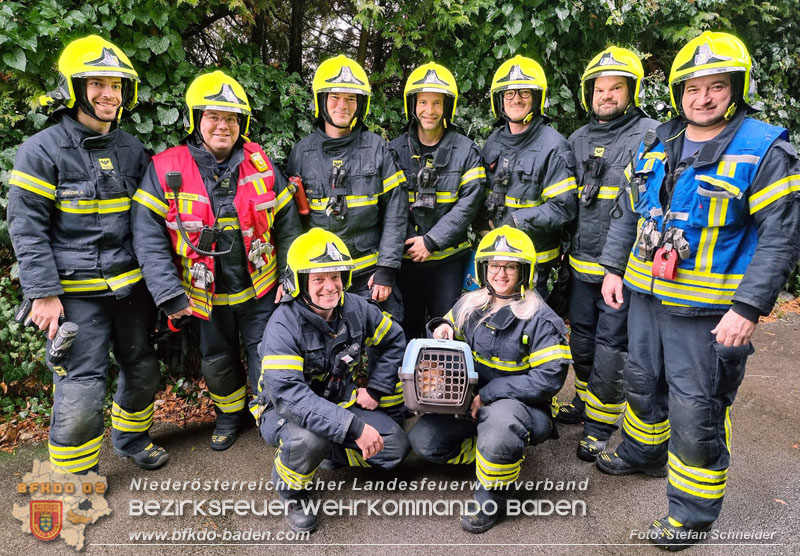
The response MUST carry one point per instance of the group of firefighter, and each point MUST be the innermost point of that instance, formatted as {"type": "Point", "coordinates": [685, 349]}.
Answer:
{"type": "Point", "coordinates": [680, 235]}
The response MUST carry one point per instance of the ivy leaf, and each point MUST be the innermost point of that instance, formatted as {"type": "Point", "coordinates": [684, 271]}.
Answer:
{"type": "Point", "coordinates": [167, 116]}
{"type": "Point", "coordinates": [145, 127]}
{"type": "Point", "coordinates": [562, 13]}
{"type": "Point", "coordinates": [15, 59]}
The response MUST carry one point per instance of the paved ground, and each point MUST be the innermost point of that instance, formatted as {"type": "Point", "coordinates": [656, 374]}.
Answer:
{"type": "Point", "coordinates": [763, 490]}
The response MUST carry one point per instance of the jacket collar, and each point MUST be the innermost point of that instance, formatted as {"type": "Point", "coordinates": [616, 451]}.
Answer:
{"type": "Point", "coordinates": [443, 149]}
{"type": "Point", "coordinates": [85, 137]}
{"type": "Point", "coordinates": [629, 117]}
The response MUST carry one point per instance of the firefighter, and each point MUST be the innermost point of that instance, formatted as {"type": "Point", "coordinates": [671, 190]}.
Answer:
{"type": "Point", "coordinates": [315, 401]}
{"type": "Point", "coordinates": [611, 92]}
{"type": "Point", "coordinates": [212, 221]}
{"type": "Point", "coordinates": [352, 182]}
{"type": "Point", "coordinates": [521, 356]}
{"type": "Point", "coordinates": [69, 197]}
{"type": "Point", "coordinates": [445, 178]}
{"type": "Point", "coordinates": [715, 194]}
{"type": "Point", "coordinates": [531, 171]}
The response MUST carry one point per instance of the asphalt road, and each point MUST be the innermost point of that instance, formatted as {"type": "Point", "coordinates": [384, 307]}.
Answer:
{"type": "Point", "coordinates": [763, 491]}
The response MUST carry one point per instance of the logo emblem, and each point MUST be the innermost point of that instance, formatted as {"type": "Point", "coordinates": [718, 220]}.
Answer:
{"type": "Point", "coordinates": [108, 60]}
{"type": "Point", "coordinates": [607, 60]}
{"type": "Point", "coordinates": [338, 163]}
{"type": "Point", "coordinates": [225, 94]}
{"type": "Point", "coordinates": [598, 151]}
{"type": "Point", "coordinates": [345, 76]}
{"type": "Point", "coordinates": [704, 55]}
{"type": "Point", "coordinates": [331, 255]}
{"type": "Point", "coordinates": [431, 78]}
{"type": "Point", "coordinates": [501, 244]}
{"type": "Point", "coordinates": [105, 164]}
{"type": "Point", "coordinates": [46, 519]}
{"type": "Point", "coordinates": [516, 74]}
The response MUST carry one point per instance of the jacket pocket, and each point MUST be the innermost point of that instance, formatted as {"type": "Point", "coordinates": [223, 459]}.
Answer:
{"type": "Point", "coordinates": [719, 201]}
{"type": "Point", "coordinates": [68, 260]}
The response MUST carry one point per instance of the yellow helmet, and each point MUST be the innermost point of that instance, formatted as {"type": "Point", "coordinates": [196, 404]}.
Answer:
{"type": "Point", "coordinates": [92, 55]}
{"type": "Point", "coordinates": [519, 73]}
{"type": "Point", "coordinates": [507, 244]}
{"type": "Point", "coordinates": [613, 61]}
{"type": "Point", "coordinates": [431, 78]}
{"type": "Point", "coordinates": [216, 91]}
{"type": "Point", "coordinates": [709, 54]}
{"type": "Point", "coordinates": [341, 75]}
{"type": "Point", "coordinates": [317, 250]}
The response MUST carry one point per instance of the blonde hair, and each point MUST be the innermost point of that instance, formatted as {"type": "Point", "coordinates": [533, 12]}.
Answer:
{"type": "Point", "coordinates": [523, 308]}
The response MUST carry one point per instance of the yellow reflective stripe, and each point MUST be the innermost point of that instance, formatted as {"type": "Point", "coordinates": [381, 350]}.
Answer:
{"type": "Point", "coordinates": [444, 253]}
{"type": "Point", "coordinates": [283, 199]}
{"type": "Point", "coordinates": [467, 452]}
{"type": "Point", "coordinates": [354, 458]}
{"type": "Point", "coordinates": [472, 174]}
{"type": "Point", "coordinates": [255, 178]}
{"type": "Point", "coordinates": [349, 402]}
{"type": "Point", "coordinates": [650, 434]}
{"type": "Point", "coordinates": [695, 489]}
{"type": "Point", "coordinates": [580, 388]}
{"type": "Point", "coordinates": [692, 277]}
{"type": "Point", "coordinates": [228, 222]}
{"type": "Point", "coordinates": [602, 412]}
{"type": "Point", "coordinates": [188, 198]}
{"type": "Point", "coordinates": [124, 279]}
{"type": "Point", "coordinates": [550, 353]}
{"type": "Point", "coordinates": [496, 474]}
{"type": "Point", "coordinates": [103, 206]}
{"type": "Point", "coordinates": [446, 197]}
{"type": "Point", "coordinates": [393, 181]}
{"type": "Point", "coordinates": [728, 428]}
{"type": "Point", "coordinates": [547, 256]}
{"type": "Point", "coordinates": [366, 261]}
{"type": "Point", "coordinates": [233, 298]}
{"type": "Point", "coordinates": [512, 202]}
{"type": "Point", "coordinates": [32, 184]}
{"type": "Point", "coordinates": [559, 188]}
{"type": "Point", "coordinates": [393, 399]}
{"type": "Point", "coordinates": [100, 284]}
{"type": "Point", "coordinates": [138, 421]}
{"type": "Point", "coordinates": [115, 408]}
{"type": "Point", "coordinates": [501, 365]}
{"type": "Point", "coordinates": [773, 192]}
{"type": "Point", "coordinates": [745, 158]}
{"type": "Point", "coordinates": [628, 171]}
{"type": "Point", "coordinates": [697, 473]}
{"type": "Point", "coordinates": [722, 184]}
{"type": "Point", "coordinates": [72, 451]}
{"type": "Point", "coordinates": [705, 249]}
{"type": "Point", "coordinates": [380, 331]}
{"type": "Point", "coordinates": [150, 201]}
{"type": "Point", "coordinates": [76, 465]}
{"type": "Point", "coordinates": [655, 155]}
{"type": "Point", "coordinates": [293, 479]}
{"type": "Point", "coordinates": [232, 402]}
{"type": "Point", "coordinates": [586, 267]}
{"type": "Point", "coordinates": [605, 192]}
{"type": "Point", "coordinates": [280, 362]}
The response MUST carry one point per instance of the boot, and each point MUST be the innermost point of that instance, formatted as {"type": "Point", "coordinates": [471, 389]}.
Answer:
{"type": "Point", "coordinates": [612, 464]}
{"type": "Point", "coordinates": [152, 457]}
{"type": "Point", "coordinates": [672, 535]}
{"type": "Point", "coordinates": [590, 447]}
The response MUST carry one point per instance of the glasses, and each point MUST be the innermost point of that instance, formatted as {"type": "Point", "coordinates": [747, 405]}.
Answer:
{"type": "Point", "coordinates": [511, 268]}
{"type": "Point", "coordinates": [213, 119]}
{"type": "Point", "coordinates": [524, 94]}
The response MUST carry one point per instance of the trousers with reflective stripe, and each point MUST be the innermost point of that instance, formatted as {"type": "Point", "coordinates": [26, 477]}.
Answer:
{"type": "Point", "coordinates": [300, 451]}
{"type": "Point", "coordinates": [680, 385]}
{"type": "Point", "coordinates": [599, 345]}
{"type": "Point", "coordinates": [221, 363]}
{"type": "Point", "coordinates": [504, 428]}
{"type": "Point", "coordinates": [76, 422]}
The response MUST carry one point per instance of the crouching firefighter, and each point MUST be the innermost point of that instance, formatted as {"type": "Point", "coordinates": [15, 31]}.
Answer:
{"type": "Point", "coordinates": [210, 219]}
{"type": "Point", "coordinates": [521, 355]}
{"type": "Point", "coordinates": [316, 401]}
{"type": "Point", "coordinates": [68, 211]}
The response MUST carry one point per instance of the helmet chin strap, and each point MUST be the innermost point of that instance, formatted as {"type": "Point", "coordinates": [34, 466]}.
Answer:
{"type": "Point", "coordinates": [729, 113]}
{"type": "Point", "coordinates": [88, 109]}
